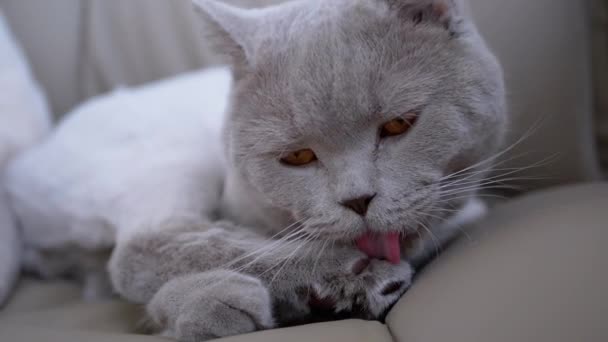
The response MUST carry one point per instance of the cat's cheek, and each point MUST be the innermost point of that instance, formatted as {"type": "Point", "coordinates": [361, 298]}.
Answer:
{"type": "Point", "coordinates": [297, 190]}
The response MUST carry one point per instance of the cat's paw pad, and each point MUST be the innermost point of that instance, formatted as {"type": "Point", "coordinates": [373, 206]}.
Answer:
{"type": "Point", "coordinates": [203, 307]}
{"type": "Point", "coordinates": [367, 289]}
{"type": "Point", "coordinates": [360, 265]}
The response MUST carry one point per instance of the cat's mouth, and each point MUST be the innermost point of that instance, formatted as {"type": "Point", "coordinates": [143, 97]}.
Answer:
{"type": "Point", "coordinates": [385, 246]}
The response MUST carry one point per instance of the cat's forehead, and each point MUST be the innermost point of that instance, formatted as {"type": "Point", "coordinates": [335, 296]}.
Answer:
{"type": "Point", "coordinates": [339, 66]}
{"type": "Point", "coordinates": [349, 68]}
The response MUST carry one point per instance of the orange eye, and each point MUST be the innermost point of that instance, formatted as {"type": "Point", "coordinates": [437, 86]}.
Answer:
{"type": "Point", "coordinates": [299, 158]}
{"type": "Point", "coordinates": [398, 126]}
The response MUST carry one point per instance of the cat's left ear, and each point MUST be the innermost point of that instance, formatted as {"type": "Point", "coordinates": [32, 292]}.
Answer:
{"type": "Point", "coordinates": [447, 13]}
{"type": "Point", "coordinates": [231, 30]}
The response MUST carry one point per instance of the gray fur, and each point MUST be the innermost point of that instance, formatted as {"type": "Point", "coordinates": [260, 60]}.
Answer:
{"type": "Point", "coordinates": [153, 265]}
{"type": "Point", "coordinates": [323, 75]}
{"type": "Point", "coordinates": [199, 307]}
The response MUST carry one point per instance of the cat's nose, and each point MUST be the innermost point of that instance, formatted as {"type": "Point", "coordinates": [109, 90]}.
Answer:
{"type": "Point", "coordinates": [359, 204]}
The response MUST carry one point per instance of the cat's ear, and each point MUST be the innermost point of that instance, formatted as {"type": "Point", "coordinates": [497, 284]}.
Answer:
{"type": "Point", "coordinates": [447, 13]}
{"type": "Point", "coordinates": [231, 31]}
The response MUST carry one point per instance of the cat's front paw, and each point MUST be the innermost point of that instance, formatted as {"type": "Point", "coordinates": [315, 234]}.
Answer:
{"type": "Point", "coordinates": [363, 288]}
{"type": "Point", "coordinates": [211, 305]}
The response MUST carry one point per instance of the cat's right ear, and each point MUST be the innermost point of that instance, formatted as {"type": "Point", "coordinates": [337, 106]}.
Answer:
{"type": "Point", "coordinates": [231, 31]}
{"type": "Point", "coordinates": [447, 13]}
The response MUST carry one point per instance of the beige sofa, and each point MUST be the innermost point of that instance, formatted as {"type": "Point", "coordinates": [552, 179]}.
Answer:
{"type": "Point", "coordinates": [536, 269]}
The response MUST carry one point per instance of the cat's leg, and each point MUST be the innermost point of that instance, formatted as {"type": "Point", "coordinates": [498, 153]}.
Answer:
{"type": "Point", "coordinates": [144, 261]}
{"type": "Point", "coordinates": [182, 275]}
{"type": "Point", "coordinates": [297, 275]}
{"type": "Point", "coordinates": [209, 305]}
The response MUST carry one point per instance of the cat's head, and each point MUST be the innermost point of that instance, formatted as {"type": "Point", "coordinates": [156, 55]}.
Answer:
{"type": "Point", "coordinates": [350, 114]}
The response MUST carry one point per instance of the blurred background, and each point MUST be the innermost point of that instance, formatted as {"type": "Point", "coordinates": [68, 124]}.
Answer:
{"type": "Point", "coordinates": [600, 64]}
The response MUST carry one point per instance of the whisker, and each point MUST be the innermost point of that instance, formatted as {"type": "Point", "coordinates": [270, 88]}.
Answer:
{"type": "Point", "coordinates": [282, 261]}
{"type": "Point", "coordinates": [483, 186]}
{"type": "Point", "coordinates": [474, 170]}
{"type": "Point", "coordinates": [450, 199]}
{"type": "Point", "coordinates": [503, 175]}
{"type": "Point", "coordinates": [431, 235]}
{"type": "Point", "coordinates": [458, 226]}
{"type": "Point", "coordinates": [273, 251]}
{"type": "Point", "coordinates": [314, 267]}
{"type": "Point", "coordinates": [272, 243]}
{"type": "Point", "coordinates": [494, 168]}
{"type": "Point", "coordinates": [287, 260]}
{"type": "Point", "coordinates": [490, 181]}
{"type": "Point", "coordinates": [524, 137]}
{"type": "Point", "coordinates": [270, 250]}
{"type": "Point", "coordinates": [475, 191]}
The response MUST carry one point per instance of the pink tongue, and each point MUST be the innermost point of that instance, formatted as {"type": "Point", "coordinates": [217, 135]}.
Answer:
{"type": "Point", "coordinates": [381, 246]}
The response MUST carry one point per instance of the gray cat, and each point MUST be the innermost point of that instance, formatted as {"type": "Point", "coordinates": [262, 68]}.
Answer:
{"type": "Point", "coordinates": [356, 135]}
{"type": "Point", "coordinates": [347, 117]}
